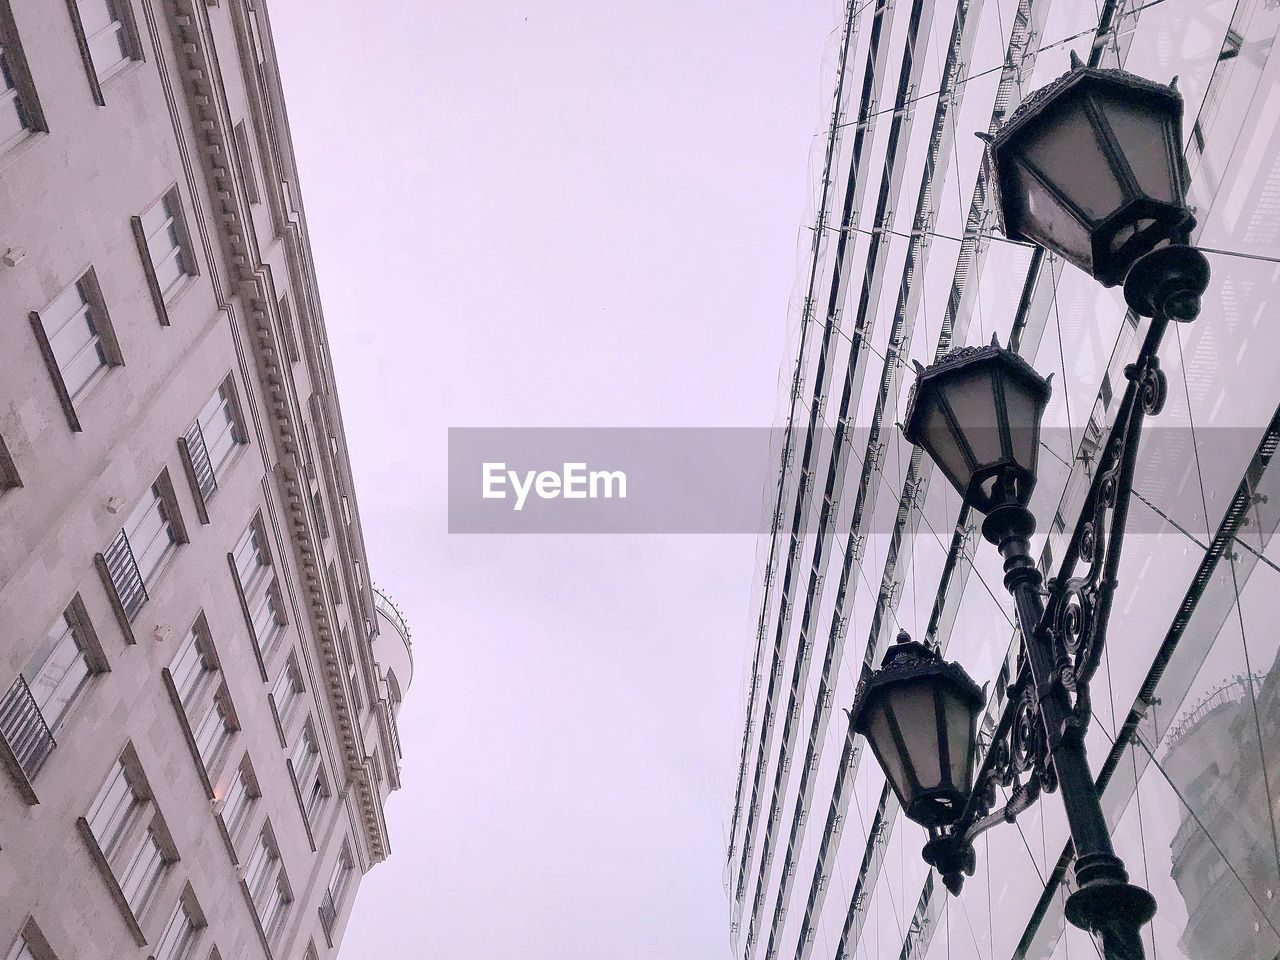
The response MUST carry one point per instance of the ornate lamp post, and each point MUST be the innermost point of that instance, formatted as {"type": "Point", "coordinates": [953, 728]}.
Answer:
{"type": "Point", "coordinates": [1091, 168]}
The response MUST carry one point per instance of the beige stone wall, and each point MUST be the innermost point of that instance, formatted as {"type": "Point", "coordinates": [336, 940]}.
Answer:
{"type": "Point", "coordinates": [66, 198]}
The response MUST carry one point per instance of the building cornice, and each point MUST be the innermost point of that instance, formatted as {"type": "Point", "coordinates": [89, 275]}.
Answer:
{"type": "Point", "coordinates": [212, 125]}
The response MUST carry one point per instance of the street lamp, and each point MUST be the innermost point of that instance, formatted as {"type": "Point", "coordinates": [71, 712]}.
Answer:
{"type": "Point", "coordinates": [1089, 167]}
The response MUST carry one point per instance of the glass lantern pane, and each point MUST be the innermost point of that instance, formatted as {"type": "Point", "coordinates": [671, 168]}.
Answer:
{"type": "Point", "coordinates": [941, 445]}
{"type": "Point", "coordinates": [1142, 138]}
{"type": "Point", "coordinates": [973, 403]}
{"type": "Point", "coordinates": [1043, 220]}
{"type": "Point", "coordinates": [1024, 411]}
{"type": "Point", "coordinates": [1065, 149]}
{"type": "Point", "coordinates": [916, 712]}
{"type": "Point", "coordinates": [886, 750]}
{"type": "Point", "coordinates": [959, 740]}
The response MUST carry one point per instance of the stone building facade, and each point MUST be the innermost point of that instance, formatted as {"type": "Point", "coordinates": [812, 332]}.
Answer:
{"type": "Point", "coordinates": [198, 682]}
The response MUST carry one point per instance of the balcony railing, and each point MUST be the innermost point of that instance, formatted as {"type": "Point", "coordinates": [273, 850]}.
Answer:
{"type": "Point", "coordinates": [24, 729]}
{"type": "Point", "coordinates": [201, 465]}
{"type": "Point", "coordinates": [125, 576]}
{"type": "Point", "coordinates": [328, 915]}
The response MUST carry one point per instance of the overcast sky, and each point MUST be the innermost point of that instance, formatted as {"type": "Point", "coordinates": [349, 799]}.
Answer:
{"type": "Point", "coordinates": [554, 214]}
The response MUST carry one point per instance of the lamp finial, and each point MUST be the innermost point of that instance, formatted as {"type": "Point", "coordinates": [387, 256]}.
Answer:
{"type": "Point", "coordinates": [1076, 62]}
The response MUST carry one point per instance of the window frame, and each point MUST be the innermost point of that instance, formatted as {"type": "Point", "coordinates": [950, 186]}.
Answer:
{"type": "Point", "coordinates": [244, 160]}
{"type": "Point", "coordinates": [91, 292]}
{"type": "Point", "coordinates": [24, 88]}
{"type": "Point", "coordinates": [217, 471]}
{"type": "Point", "coordinates": [129, 32]}
{"type": "Point", "coordinates": [171, 200]}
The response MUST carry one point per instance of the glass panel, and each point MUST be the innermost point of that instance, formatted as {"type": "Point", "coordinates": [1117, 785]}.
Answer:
{"type": "Point", "coordinates": [944, 449]}
{"type": "Point", "coordinates": [1141, 136]}
{"type": "Point", "coordinates": [1067, 152]}
{"type": "Point", "coordinates": [142, 874]}
{"type": "Point", "coordinates": [973, 404]}
{"type": "Point", "coordinates": [1044, 220]}
{"type": "Point", "coordinates": [108, 50]}
{"type": "Point", "coordinates": [57, 671]}
{"type": "Point", "coordinates": [881, 738]}
{"type": "Point", "coordinates": [917, 716]}
{"type": "Point", "coordinates": [96, 15]}
{"type": "Point", "coordinates": [110, 812]}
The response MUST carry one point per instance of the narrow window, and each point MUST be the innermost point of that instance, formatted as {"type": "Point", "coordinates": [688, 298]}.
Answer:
{"type": "Point", "coordinates": [287, 690]}
{"type": "Point", "coordinates": [20, 113]}
{"type": "Point", "coordinates": [210, 442]}
{"type": "Point", "coordinates": [215, 728]}
{"type": "Point", "coordinates": [239, 799]}
{"type": "Point", "coordinates": [165, 247]}
{"type": "Point", "coordinates": [266, 883]}
{"type": "Point", "coordinates": [333, 892]}
{"type": "Point", "coordinates": [135, 556]}
{"type": "Point", "coordinates": [266, 620]}
{"type": "Point", "coordinates": [43, 693]}
{"type": "Point", "coordinates": [141, 876]}
{"type": "Point", "coordinates": [193, 665]}
{"type": "Point", "coordinates": [76, 339]}
{"type": "Point", "coordinates": [108, 39]}
{"type": "Point", "coordinates": [180, 932]}
{"type": "Point", "coordinates": [305, 755]}
{"type": "Point", "coordinates": [251, 555]}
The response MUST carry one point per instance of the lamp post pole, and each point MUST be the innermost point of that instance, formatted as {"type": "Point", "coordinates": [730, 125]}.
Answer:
{"type": "Point", "coordinates": [1104, 902]}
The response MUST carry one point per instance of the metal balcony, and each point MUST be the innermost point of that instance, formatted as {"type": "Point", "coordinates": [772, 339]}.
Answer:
{"type": "Point", "coordinates": [201, 465]}
{"type": "Point", "coordinates": [24, 729]}
{"type": "Point", "coordinates": [125, 576]}
{"type": "Point", "coordinates": [328, 915]}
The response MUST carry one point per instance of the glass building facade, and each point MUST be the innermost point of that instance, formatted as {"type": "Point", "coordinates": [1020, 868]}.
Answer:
{"type": "Point", "coordinates": [902, 261]}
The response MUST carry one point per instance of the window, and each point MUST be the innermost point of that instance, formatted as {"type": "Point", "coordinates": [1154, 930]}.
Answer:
{"type": "Point", "coordinates": [333, 893]}
{"type": "Point", "coordinates": [167, 255]}
{"type": "Point", "coordinates": [290, 334]}
{"type": "Point", "coordinates": [142, 875]}
{"type": "Point", "coordinates": [240, 796]}
{"type": "Point", "coordinates": [114, 808]}
{"type": "Point", "coordinates": [20, 113]}
{"type": "Point", "coordinates": [334, 583]}
{"type": "Point", "coordinates": [211, 440]}
{"type": "Point", "coordinates": [214, 730]}
{"type": "Point", "coordinates": [305, 755]}
{"type": "Point", "coordinates": [244, 158]}
{"type": "Point", "coordinates": [76, 339]}
{"type": "Point", "coordinates": [251, 556]}
{"type": "Point", "coordinates": [128, 834]}
{"type": "Point", "coordinates": [314, 797]}
{"type": "Point", "coordinates": [317, 506]}
{"type": "Point", "coordinates": [135, 556]}
{"type": "Point", "coordinates": [181, 931]}
{"type": "Point", "coordinates": [287, 690]}
{"type": "Point", "coordinates": [266, 621]}
{"type": "Point", "coordinates": [30, 945]}
{"type": "Point", "coordinates": [40, 697]}
{"type": "Point", "coordinates": [107, 36]}
{"type": "Point", "coordinates": [266, 883]}
{"type": "Point", "coordinates": [194, 664]}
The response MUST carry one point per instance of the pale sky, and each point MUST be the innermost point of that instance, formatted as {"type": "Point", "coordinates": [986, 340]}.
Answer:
{"type": "Point", "coordinates": [554, 214]}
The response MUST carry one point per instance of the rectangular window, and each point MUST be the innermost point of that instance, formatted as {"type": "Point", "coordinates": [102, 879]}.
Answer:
{"type": "Point", "coordinates": [113, 809]}
{"type": "Point", "coordinates": [334, 584]}
{"type": "Point", "coordinates": [265, 880]}
{"type": "Point", "coordinates": [129, 837]}
{"type": "Point", "coordinates": [317, 506]}
{"type": "Point", "coordinates": [305, 755]}
{"type": "Point", "coordinates": [108, 40]}
{"type": "Point", "coordinates": [20, 112]}
{"type": "Point", "coordinates": [179, 934]}
{"type": "Point", "coordinates": [135, 556]}
{"type": "Point", "coordinates": [211, 440]}
{"type": "Point", "coordinates": [251, 555]}
{"type": "Point", "coordinates": [314, 797]}
{"type": "Point", "coordinates": [239, 798]}
{"type": "Point", "coordinates": [150, 532]}
{"type": "Point", "coordinates": [141, 876]}
{"type": "Point", "coordinates": [215, 728]}
{"type": "Point", "coordinates": [287, 690]}
{"type": "Point", "coordinates": [267, 623]}
{"type": "Point", "coordinates": [165, 246]}
{"type": "Point", "coordinates": [244, 158]}
{"type": "Point", "coordinates": [58, 669]}
{"type": "Point", "coordinates": [193, 665]}
{"type": "Point", "coordinates": [333, 893]}
{"type": "Point", "coordinates": [76, 339]}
